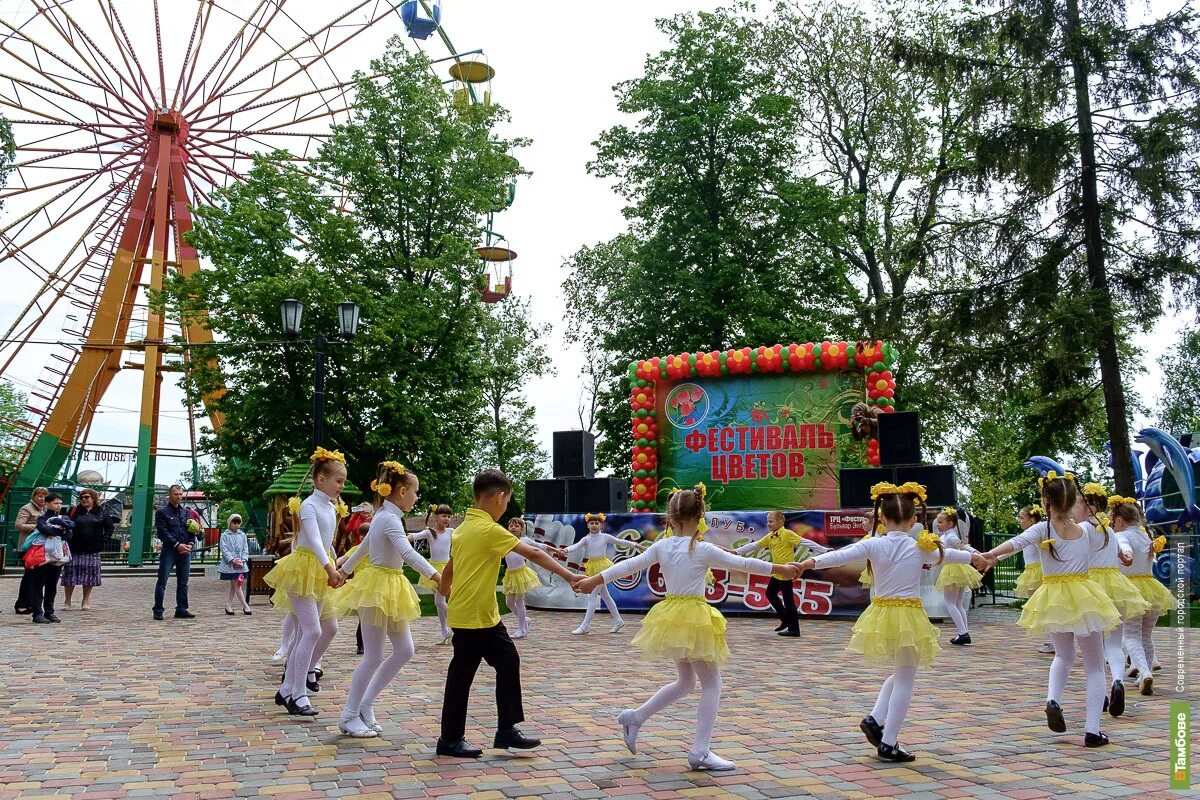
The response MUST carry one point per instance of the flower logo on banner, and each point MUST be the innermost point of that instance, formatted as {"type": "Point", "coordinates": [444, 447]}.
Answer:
{"type": "Point", "coordinates": [687, 406]}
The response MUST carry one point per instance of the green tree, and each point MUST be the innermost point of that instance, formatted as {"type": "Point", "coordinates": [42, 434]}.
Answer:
{"type": "Point", "coordinates": [1090, 124]}
{"type": "Point", "coordinates": [516, 354]}
{"type": "Point", "coordinates": [12, 416]}
{"type": "Point", "coordinates": [714, 255]}
{"type": "Point", "coordinates": [1177, 411]}
{"type": "Point", "coordinates": [386, 215]}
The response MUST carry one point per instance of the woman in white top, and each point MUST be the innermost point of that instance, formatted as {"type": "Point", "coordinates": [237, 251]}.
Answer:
{"type": "Point", "coordinates": [438, 535]}
{"type": "Point", "coordinates": [683, 628]}
{"type": "Point", "coordinates": [594, 547]}
{"type": "Point", "coordinates": [1069, 606]}
{"type": "Point", "coordinates": [1138, 633]}
{"type": "Point", "coordinates": [382, 597]}
{"type": "Point", "coordinates": [519, 577]}
{"type": "Point", "coordinates": [894, 631]}
{"type": "Point", "coordinates": [304, 580]}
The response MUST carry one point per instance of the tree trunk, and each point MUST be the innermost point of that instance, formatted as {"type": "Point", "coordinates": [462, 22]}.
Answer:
{"type": "Point", "coordinates": [1106, 345]}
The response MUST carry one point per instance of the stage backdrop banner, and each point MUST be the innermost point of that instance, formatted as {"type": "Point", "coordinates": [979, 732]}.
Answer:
{"type": "Point", "coordinates": [834, 592]}
{"type": "Point", "coordinates": [759, 441]}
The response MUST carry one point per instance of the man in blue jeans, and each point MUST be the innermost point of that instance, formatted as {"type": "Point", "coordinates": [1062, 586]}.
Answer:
{"type": "Point", "coordinates": [170, 524]}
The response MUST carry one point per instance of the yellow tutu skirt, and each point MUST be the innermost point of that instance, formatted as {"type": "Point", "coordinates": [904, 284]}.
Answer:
{"type": "Point", "coordinates": [521, 581]}
{"type": "Point", "coordinates": [428, 584]}
{"type": "Point", "coordinates": [594, 566]}
{"type": "Point", "coordinates": [1157, 596]}
{"type": "Point", "coordinates": [958, 576]}
{"type": "Point", "coordinates": [299, 573]}
{"type": "Point", "coordinates": [1029, 580]}
{"type": "Point", "coordinates": [380, 596]}
{"type": "Point", "coordinates": [1121, 591]}
{"type": "Point", "coordinates": [866, 578]}
{"type": "Point", "coordinates": [1069, 604]}
{"type": "Point", "coordinates": [894, 630]}
{"type": "Point", "coordinates": [681, 627]}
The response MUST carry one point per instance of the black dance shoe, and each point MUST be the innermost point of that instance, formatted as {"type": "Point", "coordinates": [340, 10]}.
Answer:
{"type": "Point", "coordinates": [1094, 740]}
{"type": "Point", "coordinates": [280, 700]}
{"type": "Point", "coordinates": [789, 633]}
{"type": "Point", "coordinates": [872, 730]}
{"type": "Point", "coordinates": [459, 749]}
{"type": "Point", "coordinates": [314, 686]}
{"type": "Point", "coordinates": [1054, 717]}
{"type": "Point", "coordinates": [514, 741]}
{"type": "Point", "coordinates": [299, 711]}
{"type": "Point", "coordinates": [1116, 702]}
{"type": "Point", "coordinates": [961, 639]}
{"type": "Point", "coordinates": [895, 753]}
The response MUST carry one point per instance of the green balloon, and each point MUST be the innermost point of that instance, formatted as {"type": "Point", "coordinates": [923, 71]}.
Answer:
{"type": "Point", "coordinates": [753, 364]}
{"type": "Point", "coordinates": [653, 413]}
{"type": "Point", "coordinates": [641, 473]}
{"type": "Point", "coordinates": [653, 472]}
{"type": "Point", "coordinates": [721, 356]}
{"type": "Point", "coordinates": [643, 442]}
{"type": "Point", "coordinates": [851, 350]}
{"type": "Point", "coordinates": [653, 443]}
{"type": "Point", "coordinates": [642, 413]}
{"type": "Point", "coordinates": [692, 359]}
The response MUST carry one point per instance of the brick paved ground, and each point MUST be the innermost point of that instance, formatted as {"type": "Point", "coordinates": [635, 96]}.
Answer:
{"type": "Point", "coordinates": [111, 704]}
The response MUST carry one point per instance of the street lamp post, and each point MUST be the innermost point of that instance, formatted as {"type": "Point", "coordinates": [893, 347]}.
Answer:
{"type": "Point", "coordinates": [291, 312]}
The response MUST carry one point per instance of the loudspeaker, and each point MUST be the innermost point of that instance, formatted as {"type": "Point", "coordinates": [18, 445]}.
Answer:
{"type": "Point", "coordinates": [854, 484]}
{"type": "Point", "coordinates": [546, 497]}
{"type": "Point", "coordinates": [574, 454]}
{"type": "Point", "coordinates": [939, 482]}
{"type": "Point", "coordinates": [899, 439]}
{"type": "Point", "coordinates": [596, 495]}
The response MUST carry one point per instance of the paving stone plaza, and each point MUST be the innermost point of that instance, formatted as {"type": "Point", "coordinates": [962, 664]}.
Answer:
{"type": "Point", "coordinates": [110, 704]}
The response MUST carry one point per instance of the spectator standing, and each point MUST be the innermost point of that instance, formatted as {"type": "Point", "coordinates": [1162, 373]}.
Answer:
{"type": "Point", "coordinates": [170, 524]}
{"type": "Point", "coordinates": [234, 566]}
{"type": "Point", "coordinates": [93, 530]}
{"type": "Point", "coordinates": [26, 524]}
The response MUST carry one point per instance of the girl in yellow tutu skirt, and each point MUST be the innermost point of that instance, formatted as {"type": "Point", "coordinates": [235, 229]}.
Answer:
{"type": "Point", "coordinates": [683, 628]}
{"type": "Point", "coordinates": [894, 630]}
{"type": "Point", "coordinates": [1031, 576]}
{"type": "Point", "coordinates": [594, 549]}
{"type": "Point", "coordinates": [439, 536]}
{"type": "Point", "coordinates": [304, 579]}
{"type": "Point", "coordinates": [1109, 551]}
{"type": "Point", "coordinates": [1069, 606]}
{"type": "Point", "coordinates": [1138, 634]}
{"type": "Point", "coordinates": [519, 577]}
{"type": "Point", "coordinates": [381, 596]}
{"type": "Point", "coordinates": [956, 581]}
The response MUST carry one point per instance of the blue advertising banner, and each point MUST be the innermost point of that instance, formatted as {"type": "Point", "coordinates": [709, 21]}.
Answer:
{"type": "Point", "coordinates": [821, 593]}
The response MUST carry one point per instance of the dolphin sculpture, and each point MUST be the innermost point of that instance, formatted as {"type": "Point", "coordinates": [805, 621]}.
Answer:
{"type": "Point", "coordinates": [1178, 461]}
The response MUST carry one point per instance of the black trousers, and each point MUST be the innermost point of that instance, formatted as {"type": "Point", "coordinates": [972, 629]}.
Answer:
{"type": "Point", "coordinates": [472, 645]}
{"type": "Point", "coordinates": [45, 588]}
{"type": "Point", "coordinates": [785, 608]}
{"type": "Point", "coordinates": [25, 593]}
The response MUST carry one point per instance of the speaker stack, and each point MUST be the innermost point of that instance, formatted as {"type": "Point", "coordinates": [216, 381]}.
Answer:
{"type": "Point", "coordinates": [899, 462]}
{"type": "Point", "coordinates": [574, 488]}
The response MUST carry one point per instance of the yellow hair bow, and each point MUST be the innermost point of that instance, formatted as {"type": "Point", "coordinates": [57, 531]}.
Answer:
{"type": "Point", "coordinates": [343, 510]}
{"type": "Point", "coordinates": [1047, 542]}
{"type": "Point", "coordinates": [1102, 519]}
{"type": "Point", "coordinates": [594, 517]}
{"type": "Point", "coordinates": [701, 490]}
{"type": "Point", "coordinates": [701, 527]}
{"type": "Point", "coordinates": [381, 489]}
{"type": "Point", "coordinates": [928, 541]}
{"type": "Point", "coordinates": [321, 454]}
{"type": "Point", "coordinates": [911, 487]}
{"type": "Point", "coordinates": [1037, 510]}
{"type": "Point", "coordinates": [1095, 490]}
{"type": "Point", "coordinates": [294, 506]}
{"type": "Point", "coordinates": [949, 511]}
{"type": "Point", "coordinates": [1158, 544]}
{"type": "Point", "coordinates": [433, 509]}
{"type": "Point", "coordinates": [1116, 500]}
{"type": "Point", "coordinates": [881, 529]}
{"type": "Point", "coordinates": [1051, 475]}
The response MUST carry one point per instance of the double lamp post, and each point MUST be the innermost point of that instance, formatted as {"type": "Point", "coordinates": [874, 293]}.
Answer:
{"type": "Point", "coordinates": [291, 311]}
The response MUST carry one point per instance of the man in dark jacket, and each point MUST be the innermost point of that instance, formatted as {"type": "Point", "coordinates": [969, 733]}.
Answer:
{"type": "Point", "coordinates": [170, 524]}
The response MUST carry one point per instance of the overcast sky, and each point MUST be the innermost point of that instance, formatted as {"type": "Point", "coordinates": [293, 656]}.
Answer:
{"type": "Point", "coordinates": [556, 63]}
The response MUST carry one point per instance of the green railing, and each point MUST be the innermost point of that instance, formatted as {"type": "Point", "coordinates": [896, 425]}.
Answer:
{"type": "Point", "coordinates": [1000, 582]}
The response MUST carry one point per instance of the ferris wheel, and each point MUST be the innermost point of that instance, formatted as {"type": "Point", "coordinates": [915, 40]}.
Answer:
{"type": "Point", "coordinates": [125, 113]}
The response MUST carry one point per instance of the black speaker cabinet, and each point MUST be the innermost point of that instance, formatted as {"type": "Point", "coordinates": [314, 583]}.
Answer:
{"type": "Point", "coordinates": [939, 482]}
{"type": "Point", "coordinates": [596, 495]}
{"type": "Point", "coordinates": [854, 484]}
{"type": "Point", "coordinates": [899, 439]}
{"type": "Point", "coordinates": [546, 497]}
{"type": "Point", "coordinates": [574, 454]}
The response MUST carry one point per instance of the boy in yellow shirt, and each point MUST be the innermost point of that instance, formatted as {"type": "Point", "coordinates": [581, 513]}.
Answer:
{"type": "Point", "coordinates": [781, 543]}
{"type": "Point", "coordinates": [469, 583]}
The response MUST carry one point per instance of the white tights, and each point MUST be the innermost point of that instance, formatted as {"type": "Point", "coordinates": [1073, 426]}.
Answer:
{"type": "Point", "coordinates": [957, 602]}
{"type": "Point", "coordinates": [287, 633]}
{"type": "Point", "coordinates": [517, 603]}
{"type": "Point", "coordinates": [1091, 646]}
{"type": "Point", "coordinates": [440, 603]}
{"type": "Point", "coordinates": [594, 603]}
{"type": "Point", "coordinates": [314, 634]}
{"type": "Point", "coordinates": [710, 699]}
{"type": "Point", "coordinates": [895, 696]}
{"type": "Point", "coordinates": [235, 593]}
{"type": "Point", "coordinates": [1114, 654]}
{"type": "Point", "coordinates": [373, 671]}
{"type": "Point", "coordinates": [1139, 641]}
